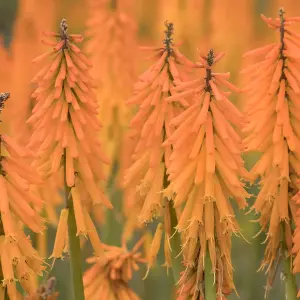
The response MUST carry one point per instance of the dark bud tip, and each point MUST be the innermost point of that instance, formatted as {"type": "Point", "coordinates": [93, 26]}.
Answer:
{"type": "Point", "coordinates": [64, 26]}
{"type": "Point", "coordinates": [281, 12]}
{"type": "Point", "coordinates": [168, 41]}
{"type": "Point", "coordinates": [210, 57]}
{"type": "Point", "coordinates": [3, 98]}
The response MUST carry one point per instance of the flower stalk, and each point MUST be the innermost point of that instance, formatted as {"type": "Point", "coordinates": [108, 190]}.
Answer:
{"type": "Point", "coordinates": [6, 297]}
{"type": "Point", "coordinates": [289, 278]}
{"type": "Point", "coordinates": [74, 244]}
{"type": "Point", "coordinates": [209, 280]}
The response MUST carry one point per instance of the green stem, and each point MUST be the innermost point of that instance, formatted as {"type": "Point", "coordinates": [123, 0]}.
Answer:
{"type": "Point", "coordinates": [6, 297]}
{"type": "Point", "coordinates": [112, 230]}
{"type": "Point", "coordinates": [113, 4]}
{"type": "Point", "coordinates": [175, 244]}
{"type": "Point", "coordinates": [210, 287]}
{"type": "Point", "coordinates": [75, 255]}
{"type": "Point", "coordinates": [175, 241]}
{"type": "Point", "coordinates": [290, 280]}
{"type": "Point", "coordinates": [74, 246]}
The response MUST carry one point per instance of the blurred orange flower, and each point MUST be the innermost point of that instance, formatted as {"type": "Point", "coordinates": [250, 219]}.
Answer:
{"type": "Point", "coordinates": [109, 276]}
{"type": "Point", "coordinates": [112, 48]}
{"type": "Point", "coordinates": [25, 46]}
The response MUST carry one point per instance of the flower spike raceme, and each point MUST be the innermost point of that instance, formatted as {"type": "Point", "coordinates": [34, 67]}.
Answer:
{"type": "Point", "coordinates": [65, 133]}
{"type": "Point", "coordinates": [108, 279]}
{"type": "Point", "coordinates": [205, 171]}
{"type": "Point", "coordinates": [272, 110]}
{"type": "Point", "coordinates": [149, 128]}
{"type": "Point", "coordinates": [19, 260]}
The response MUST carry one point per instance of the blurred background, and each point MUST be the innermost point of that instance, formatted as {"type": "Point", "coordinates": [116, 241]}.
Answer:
{"type": "Point", "coordinates": [232, 26]}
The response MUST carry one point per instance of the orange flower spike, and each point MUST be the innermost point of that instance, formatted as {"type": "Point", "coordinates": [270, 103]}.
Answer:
{"type": "Point", "coordinates": [145, 178]}
{"type": "Point", "coordinates": [65, 130]}
{"type": "Point", "coordinates": [17, 208]}
{"type": "Point", "coordinates": [273, 131]}
{"type": "Point", "coordinates": [209, 167]}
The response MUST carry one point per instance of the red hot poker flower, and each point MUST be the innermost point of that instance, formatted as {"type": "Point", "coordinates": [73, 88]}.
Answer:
{"type": "Point", "coordinates": [18, 205]}
{"type": "Point", "coordinates": [272, 110]}
{"type": "Point", "coordinates": [66, 124]}
{"type": "Point", "coordinates": [65, 133]}
{"type": "Point", "coordinates": [150, 127]}
{"type": "Point", "coordinates": [205, 170]}
{"type": "Point", "coordinates": [65, 116]}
